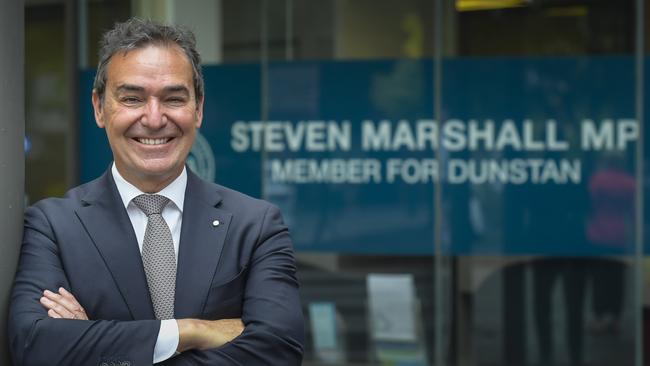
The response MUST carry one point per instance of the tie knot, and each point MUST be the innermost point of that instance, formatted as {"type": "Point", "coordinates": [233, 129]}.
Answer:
{"type": "Point", "coordinates": [151, 203]}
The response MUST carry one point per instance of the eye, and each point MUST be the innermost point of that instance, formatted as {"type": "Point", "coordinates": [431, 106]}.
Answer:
{"type": "Point", "coordinates": [176, 100]}
{"type": "Point", "coordinates": [130, 100]}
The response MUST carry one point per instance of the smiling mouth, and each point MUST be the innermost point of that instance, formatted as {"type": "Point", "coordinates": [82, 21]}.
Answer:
{"type": "Point", "coordinates": [152, 142]}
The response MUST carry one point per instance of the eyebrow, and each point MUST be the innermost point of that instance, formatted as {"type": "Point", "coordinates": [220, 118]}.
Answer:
{"type": "Point", "coordinates": [168, 89]}
{"type": "Point", "coordinates": [177, 89]}
{"type": "Point", "coordinates": [129, 88]}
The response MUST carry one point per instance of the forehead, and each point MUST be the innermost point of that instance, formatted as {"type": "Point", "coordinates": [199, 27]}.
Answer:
{"type": "Point", "coordinates": [150, 65]}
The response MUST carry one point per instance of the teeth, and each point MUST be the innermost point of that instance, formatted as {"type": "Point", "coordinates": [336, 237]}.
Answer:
{"type": "Point", "coordinates": [153, 141]}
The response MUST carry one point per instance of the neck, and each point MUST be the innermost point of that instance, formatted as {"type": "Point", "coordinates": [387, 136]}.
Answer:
{"type": "Point", "coordinates": [153, 186]}
{"type": "Point", "coordinates": [149, 183]}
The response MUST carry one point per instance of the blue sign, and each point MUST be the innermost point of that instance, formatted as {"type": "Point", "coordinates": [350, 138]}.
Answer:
{"type": "Point", "coordinates": [530, 156]}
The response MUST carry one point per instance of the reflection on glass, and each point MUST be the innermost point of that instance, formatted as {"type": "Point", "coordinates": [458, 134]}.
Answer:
{"type": "Point", "coordinates": [327, 109]}
{"type": "Point", "coordinates": [46, 113]}
{"type": "Point", "coordinates": [565, 298]}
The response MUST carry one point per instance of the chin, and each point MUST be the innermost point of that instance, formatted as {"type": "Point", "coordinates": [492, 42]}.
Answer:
{"type": "Point", "coordinates": [157, 169]}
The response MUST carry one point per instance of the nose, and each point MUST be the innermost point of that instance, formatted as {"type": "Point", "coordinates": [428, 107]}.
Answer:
{"type": "Point", "coordinates": [153, 116]}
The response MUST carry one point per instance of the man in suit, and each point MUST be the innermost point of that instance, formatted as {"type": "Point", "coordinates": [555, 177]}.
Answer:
{"type": "Point", "coordinates": [148, 263]}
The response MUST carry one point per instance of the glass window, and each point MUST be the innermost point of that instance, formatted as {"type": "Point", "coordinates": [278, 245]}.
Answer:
{"type": "Point", "coordinates": [541, 226]}
{"type": "Point", "coordinates": [462, 179]}
{"type": "Point", "coordinates": [46, 109]}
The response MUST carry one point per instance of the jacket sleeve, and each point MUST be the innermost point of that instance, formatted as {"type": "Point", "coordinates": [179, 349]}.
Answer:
{"type": "Point", "coordinates": [272, 312]}
{"type": "Point", "coordinates": [36, 339]}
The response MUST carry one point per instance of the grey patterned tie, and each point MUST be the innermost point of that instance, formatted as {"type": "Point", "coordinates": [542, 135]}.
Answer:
{"type": "Point", "coordinates": [158, 256]}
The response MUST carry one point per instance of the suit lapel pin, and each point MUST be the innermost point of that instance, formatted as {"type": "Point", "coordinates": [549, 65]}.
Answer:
{"type": "Point", "coordinates": [215, 223]}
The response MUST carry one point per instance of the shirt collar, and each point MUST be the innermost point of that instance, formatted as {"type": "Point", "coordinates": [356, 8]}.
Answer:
{"type": "Point", "coordinates": [175, 191]}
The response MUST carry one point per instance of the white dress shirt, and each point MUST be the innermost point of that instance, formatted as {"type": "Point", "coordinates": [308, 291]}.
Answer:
{"type": "Point", "coordinates": [167, 341]}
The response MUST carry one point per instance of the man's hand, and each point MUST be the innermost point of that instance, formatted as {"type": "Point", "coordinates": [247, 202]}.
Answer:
{"type": "Point", "coordinates": [207, 334]}
{"type": "Point", "coordinates": [62, 305]}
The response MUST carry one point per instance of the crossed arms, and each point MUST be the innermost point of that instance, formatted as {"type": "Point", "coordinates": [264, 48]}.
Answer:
{"type": "Point", "coordinates": [194, 334]}
{"type": "Point", "coordinates": [271, 314]}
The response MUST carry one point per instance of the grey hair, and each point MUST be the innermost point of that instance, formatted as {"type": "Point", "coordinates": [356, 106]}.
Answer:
{"type": "Point", "coordinates": [138, 33]}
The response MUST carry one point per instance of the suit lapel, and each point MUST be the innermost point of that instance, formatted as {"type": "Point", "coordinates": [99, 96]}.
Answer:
{"type": "Point", "coordinates": [203, 233]}
{"type": "Point", "coordinates": [105, 218]}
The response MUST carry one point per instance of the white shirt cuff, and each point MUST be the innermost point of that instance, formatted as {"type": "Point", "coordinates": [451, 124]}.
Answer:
{"type": "Point", "coordinates": [167, 341]}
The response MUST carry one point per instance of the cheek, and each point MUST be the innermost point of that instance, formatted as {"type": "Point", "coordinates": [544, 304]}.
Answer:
{"type": "Point", "coordinates": [185, 121]}
{"type": "Point", "coordinates": [121, 120]}
{"type": "Point", "coordinates": [114, 129]}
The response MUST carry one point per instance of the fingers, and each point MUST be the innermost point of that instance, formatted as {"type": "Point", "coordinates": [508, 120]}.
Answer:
{"type": "Point", "coordinates": [62, 305]}
{"type": "Point", "coordinates": [237, 327]}
{"type": "Point", "coordinates": [233, 326]}
{"type": "Point", "coordinates": [228, 329]}
{"type": "Point", "coordinates": [207, 334]}
{"type": "Point", "coordinates": [53, 314]}
{"type": "Point", "coordinates": [76, 306]}
{"type": "Point", "coordinates": [55, 310]}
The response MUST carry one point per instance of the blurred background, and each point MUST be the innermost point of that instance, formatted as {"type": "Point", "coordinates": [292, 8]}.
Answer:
{"type": "Point", "coordinates": [465, 181]}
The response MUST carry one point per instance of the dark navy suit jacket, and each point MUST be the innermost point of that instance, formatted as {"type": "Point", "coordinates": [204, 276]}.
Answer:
{"type": "Point", "coordinates": [242, 267]}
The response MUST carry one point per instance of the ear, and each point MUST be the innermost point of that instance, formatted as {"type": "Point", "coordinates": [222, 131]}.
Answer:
{"type": "Point", "coordinates": [199, 112]}
{"type": "Point", "coordinates": [99, 112]}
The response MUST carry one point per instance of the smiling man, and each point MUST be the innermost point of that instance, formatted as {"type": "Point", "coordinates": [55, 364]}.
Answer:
{"type": "Point", "coordinates": [148, 263]}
